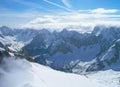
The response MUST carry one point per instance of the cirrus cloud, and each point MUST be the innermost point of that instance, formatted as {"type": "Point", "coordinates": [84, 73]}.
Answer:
{"type": "Point", "coordinates": [66, 3]}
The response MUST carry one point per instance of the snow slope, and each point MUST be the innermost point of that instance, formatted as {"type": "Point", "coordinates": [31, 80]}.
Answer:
{"type": "Point", "coordinates": [21, 73]}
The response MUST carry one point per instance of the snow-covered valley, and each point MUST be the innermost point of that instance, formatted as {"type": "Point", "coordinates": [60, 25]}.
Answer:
{"type": "Point", "coordinates": [21, 73]}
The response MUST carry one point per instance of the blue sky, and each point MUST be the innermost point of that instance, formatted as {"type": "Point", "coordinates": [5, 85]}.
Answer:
{"type": "Point", "coordinates": [19, 12]}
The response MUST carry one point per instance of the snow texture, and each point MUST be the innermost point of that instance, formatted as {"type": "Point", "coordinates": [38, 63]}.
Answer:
{"type": "Point", "coordinates": [21, 73]}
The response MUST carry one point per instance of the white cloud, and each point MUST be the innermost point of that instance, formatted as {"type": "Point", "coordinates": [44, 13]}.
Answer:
{"type": "Point", "coordinates": [57, 5]}
{"type": "Point", "coordinates": [66, 3]}
{"type": "Point", "coordinates": [73, 21]}
{"type": "Point", "coordinates": [102, 11]}
{"type": "Point", "coordinates": [59, 20]}
{"type": "Point", "coordinates": [44, 20]}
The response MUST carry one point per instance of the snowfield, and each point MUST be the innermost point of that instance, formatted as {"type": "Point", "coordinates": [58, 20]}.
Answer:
{"type": "Point", "coordinates": [21, 73]}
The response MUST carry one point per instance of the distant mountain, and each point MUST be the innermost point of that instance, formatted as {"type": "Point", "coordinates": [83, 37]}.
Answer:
{"type": "Point", "coordinates": [68, 51]}
{"type": "Point", "coordinates": [75, 52]}
{"type": "Point", "coordinates": [12, 40]}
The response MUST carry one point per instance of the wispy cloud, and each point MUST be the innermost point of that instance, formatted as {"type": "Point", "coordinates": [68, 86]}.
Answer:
{"type": "Point", "coordinates": [73, 20]}
{"type": "Point", "coordinates": [99, 11]}
{"type": "Point", "coordinates": [57, 5]}
{"type": "Point", "coordinates": [12, 18]}
{"type": "Point", "coordinates": [104, 11]}
{"type": "Point", "coordinates": [31, 4]}
{"type": "Point", "coordinates": [66, 3]}
{"type": "Point", "coordinates": [24, 14]}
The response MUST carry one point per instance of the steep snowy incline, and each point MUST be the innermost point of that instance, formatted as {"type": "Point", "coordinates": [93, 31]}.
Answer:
{"type": "Point", "coordinates": [21, 73]}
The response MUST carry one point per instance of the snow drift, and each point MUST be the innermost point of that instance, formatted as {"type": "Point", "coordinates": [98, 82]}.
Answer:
{"type": "Point", "coordinates": [21, 73]}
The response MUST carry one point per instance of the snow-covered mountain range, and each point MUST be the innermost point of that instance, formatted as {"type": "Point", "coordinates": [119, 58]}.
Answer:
{"type": "Point", "coordinates": [66, 50]}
